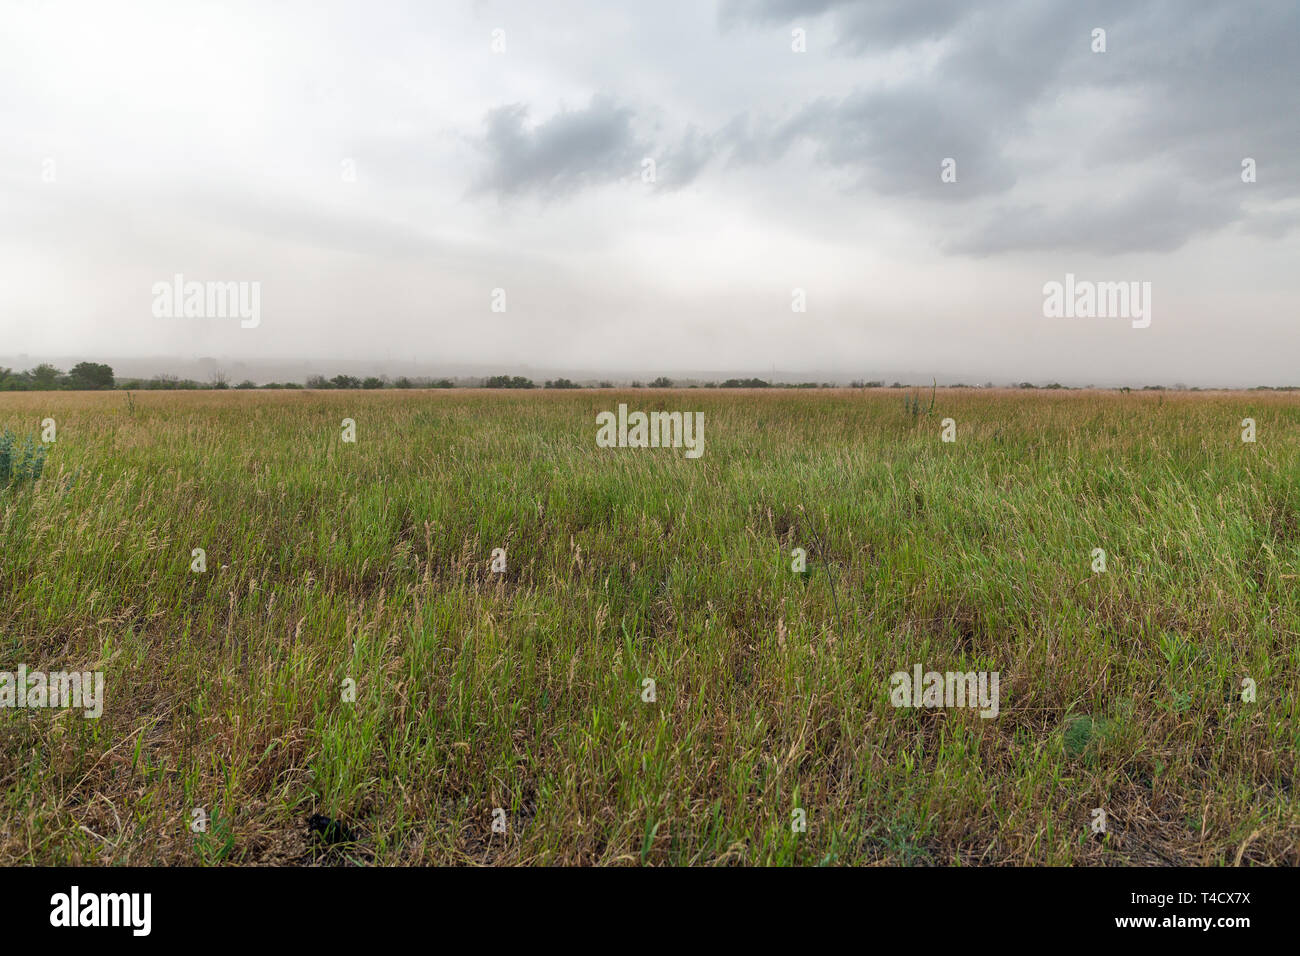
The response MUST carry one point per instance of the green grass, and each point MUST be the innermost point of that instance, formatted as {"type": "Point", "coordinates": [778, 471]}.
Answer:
{"type": "Point", "coordinates": [370, 561]}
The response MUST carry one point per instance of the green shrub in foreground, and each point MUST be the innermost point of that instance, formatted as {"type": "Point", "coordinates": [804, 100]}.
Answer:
{"type": "Point", "coordinates": [19, 464]}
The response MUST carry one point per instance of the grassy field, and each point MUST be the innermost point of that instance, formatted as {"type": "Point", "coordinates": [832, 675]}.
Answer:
{"type": "Point", "coordinates": [370, 561]}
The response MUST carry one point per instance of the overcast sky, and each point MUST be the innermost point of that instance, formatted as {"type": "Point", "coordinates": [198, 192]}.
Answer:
{"type": "Point", "coordinates": [219, 141]}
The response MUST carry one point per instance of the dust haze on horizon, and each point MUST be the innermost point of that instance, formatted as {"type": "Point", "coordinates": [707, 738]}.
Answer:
{"type": "Point", "coordinates": [380, 170]}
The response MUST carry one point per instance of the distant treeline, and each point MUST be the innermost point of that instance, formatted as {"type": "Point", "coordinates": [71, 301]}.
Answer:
{"type": "Point", "coordinates": [84, 376]}
{"type": "Point", "coordinates": [93, 376]}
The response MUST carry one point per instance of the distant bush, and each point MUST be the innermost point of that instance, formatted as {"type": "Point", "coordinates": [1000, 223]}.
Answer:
{"type": "Point", "coordinates": [745, 383]}
{"type": "Point", "coordinates": [562, 383]}
{"type": "Point", "coordinates": [156, 383]}
{"type": "Point", "coordinates": [508, 381]}
{"type": "Point", "coordinates": [165, 381]}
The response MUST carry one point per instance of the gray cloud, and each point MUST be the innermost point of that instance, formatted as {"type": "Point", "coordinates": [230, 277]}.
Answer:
{"type": "Point", "coordinates": [892, 142]}
{"type": "Point", "coordinates": [1158, 219]}
{"type": "Point", "coordinates": [1184, 81]}
{"type": "Point", "coordinates": [1194, 88]}
{"type": "Point", "coordinates": [687, 160]}
{"type": "Point", "coordinates": [571, 150]}
{"type": "Point", "coordinates": [860, 24]}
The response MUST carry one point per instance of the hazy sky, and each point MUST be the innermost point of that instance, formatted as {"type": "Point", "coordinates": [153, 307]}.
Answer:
{"type": "Point", "coordinates": [219, 141]}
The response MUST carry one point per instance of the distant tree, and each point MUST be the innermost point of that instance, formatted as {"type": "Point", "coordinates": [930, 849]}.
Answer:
{"type": "Point", "coordinates": [373, 382]}
{"type": "Point", "coordinates": [508, 381]}
{"type": "Point", "coordinates": [442, 383]}
{"type": "Point", "coordinates": [345, 381]}
{"type": "Point", "coordinates": [663, 381]}
{"type": "Point", "coordinates": [403, 382]}
{"type": "Point", "coordinates": [319, 381]}
{"type": "Point", "coordinates": [561, 383]}
{"type": "Point", "coordinates": [246, 384]}
{"type": "Point", "coordinates": [90, 375]}
{"type": "Point", "coordinates": [45, 376]}
{"type": "Point", "coordinates": [604, 384]}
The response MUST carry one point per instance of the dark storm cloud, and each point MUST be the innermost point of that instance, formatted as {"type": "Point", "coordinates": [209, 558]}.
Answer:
{"type": "Point", "coordinates": [571, 150]}
{"type": "Point", "coordinates": [891, 142]}
{"type": "Point", "coordinates": [1193, 89]}
{"type": "Point", "coordinates": [1186, 90]}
